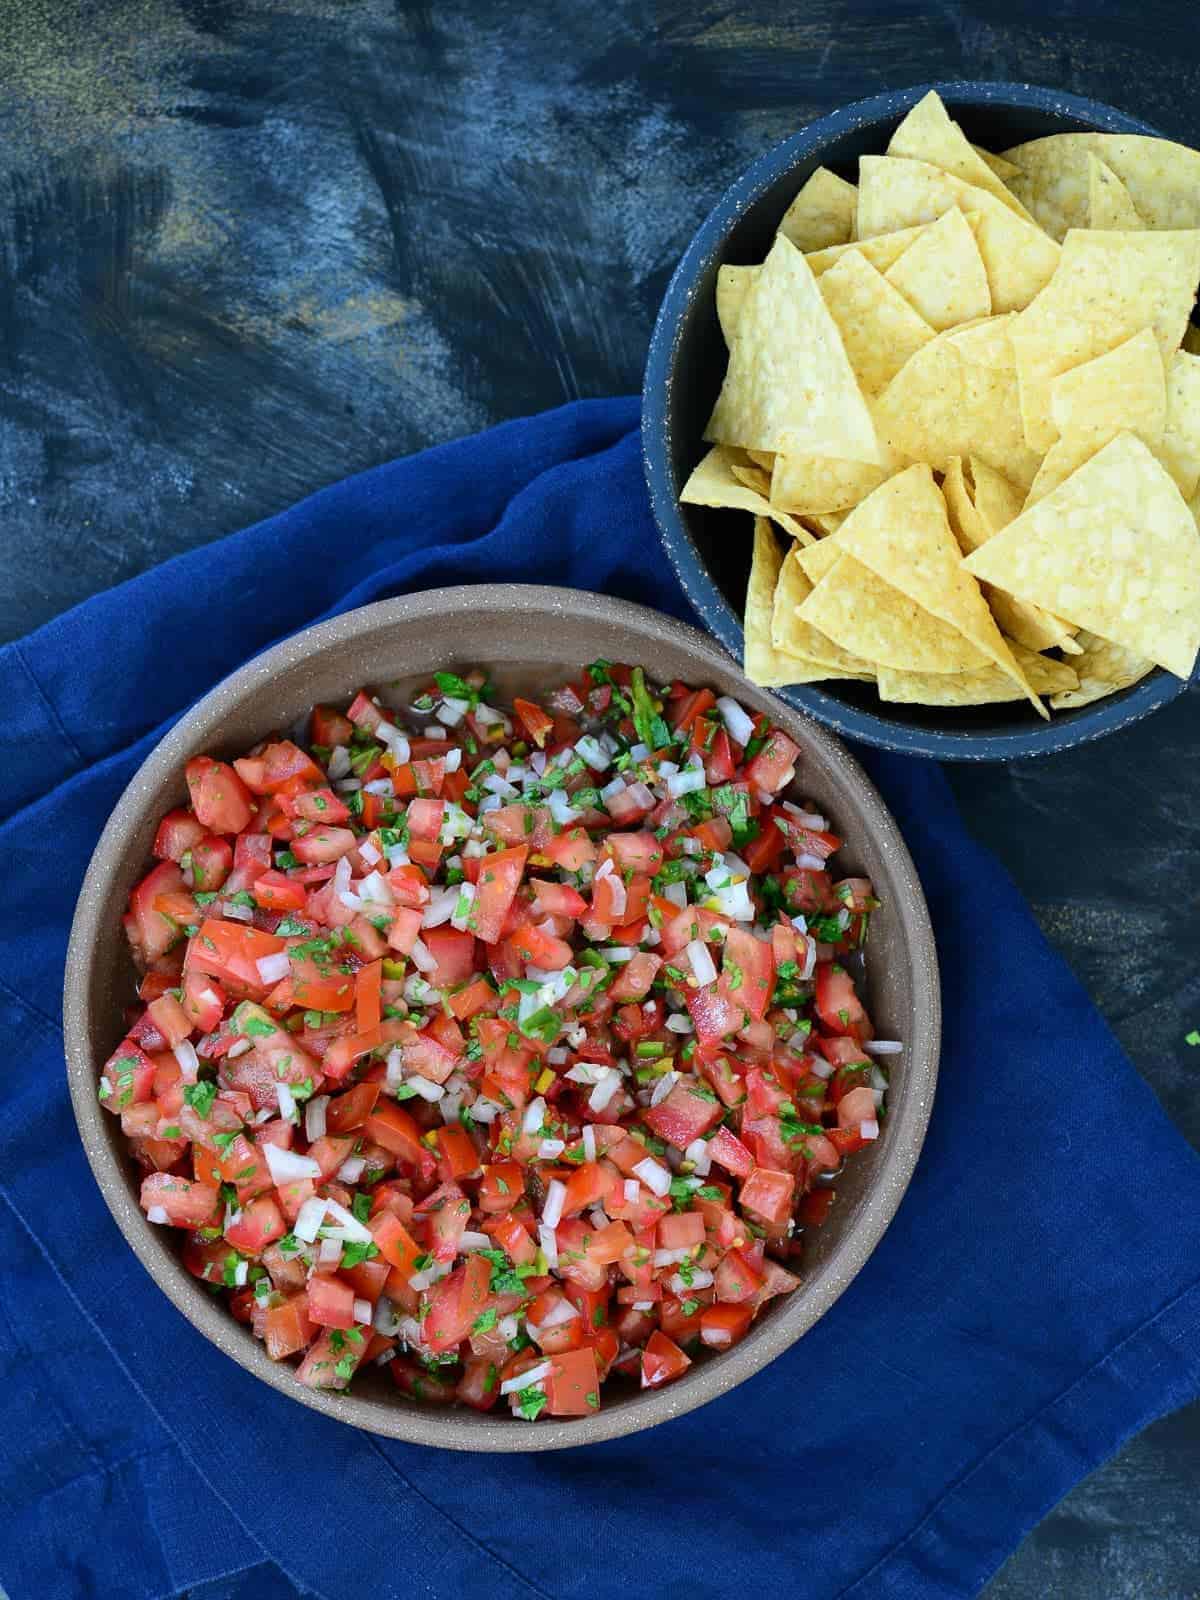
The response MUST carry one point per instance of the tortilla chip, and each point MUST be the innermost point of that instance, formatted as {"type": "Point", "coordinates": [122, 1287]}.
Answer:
{"type": "Point", "coordinates": [874, 621]}
{"type": "Point", "coordinates": [812, 484]}
{"type": "Point", "coordinates": [789, 387]}
{"type": "Point", "coordinates": [796, 638]}
{"type": "Point", "coordinates": [732, 284]}
{"type": "Point", "coordinates": [715, 483]}
{"type": "Point", "coordinates": [879, 328]}
{"type": "Point", "coordinates": [1027, 624]}
{"type": "Point", "coordinates": [752, 477]}
{"type": "Point", "coordinates": [763, 458]}
{"type": "Point", "coordinates": [763, 663]}
{"type": "Point", "coordinates": [1107, 288]}
{"type": "Point", "coordinates": [882, 252]}
{"type": "Point", "coordinates": [1124, 389]}
{"type": "Point", "coordinates": [1180, 448]}
{"type": "Point", "coordinates": [902, 533]}
{"type": "Point", "coordinates": [822, 213]}
{"type": "Point", "coordinates": [942, 274]}
{"type": "Point", "coordinates": [983, 687]}
{"type": "Point", "coordinates": [1103, 669]}
{"type": "Point", "coordinates": [1114, 549]}
{"type": "Point", "coordinates": [928, 133]}
{"type": "Point", "coordinates": [1002, 168]}
{"type": "Point", "coordinates": [1109, 205]}
{"type": "Point", "coordinates": [1163, 179]}
{"type": "Point", "coordinates": [823, 523]}
{"type": "Point", "coordinates": [958, 396]}
{"type": "Point", "coordinates": [893, 193]}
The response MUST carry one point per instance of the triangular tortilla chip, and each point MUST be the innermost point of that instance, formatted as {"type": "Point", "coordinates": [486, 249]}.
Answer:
{"type": "Point", "coordinates": [1027, 624]}
{"type": "Point", "coordinates": [815, 484]}
{"type": "Point", "coordinates": [1163, 179]}
{"type": "Point", "coordinates": [956, 397]}
{"type": "Point", "coordinates": [732, 284]}
{"type": "Point", "coordinates": [928, 133]}
{"type": "Point", "coordinates": [902, 533]}
{"type": "Point", "coordinates": [894, 193]}
{"type": "Point", "coordinates": [1109, 204]}
{"type": "Point", "coordinates": [823, 522]}
{"type": "Point", "coordinates": [1180, 449]}
{"type": "Point", "coordinates": [984, 687]}
{"type": "Point", "coordinates": [714, 483]}
{"type": "Point", "coordinates": [1002, 168]}
{"type": "Point", "coordinates": [882, 252]}
{"type": "Point", "coordinates": [1103, 669]}
{"type": "Point", "coordinates": [1108, 287]}
{"type": "Point", "coordinates": [796, 638]}
{"type": "Point", "coordinates": [875, 622]}
{"type": "Point", "coordinates": [763, 663]}
{"type": "Point", "coordinates": [1114, 549]}
{"type": "Point", "coordinates": [789, 386]}
{"type": "Point", "coordinates": [879, 328]}
{"type": "Point", "coordinates": [942, 274]}
{"type": "Point", "coordinates": [822, 213]}
{"type": "Point", "coordinates": [1125, 389]}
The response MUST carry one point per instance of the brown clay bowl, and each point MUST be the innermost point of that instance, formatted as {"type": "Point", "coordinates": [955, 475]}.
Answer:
{"type": "Point", "coordinates": [527, 637]}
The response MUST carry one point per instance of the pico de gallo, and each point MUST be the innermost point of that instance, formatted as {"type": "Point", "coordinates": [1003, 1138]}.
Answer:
{"type": "Point", "coordinates": [505, 1048]}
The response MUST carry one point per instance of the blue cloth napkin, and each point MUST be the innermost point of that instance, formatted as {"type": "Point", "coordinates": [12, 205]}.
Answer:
{"type": "Point", "coordinates": [1033, 1304]}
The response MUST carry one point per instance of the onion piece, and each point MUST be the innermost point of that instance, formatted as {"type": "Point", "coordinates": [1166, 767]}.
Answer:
{"type": "Point", "coordinates": [869, 1129]}
{"type": "Point", "coordinates": [285, 1166]}
{"type": "Point", "coordinates": [189, 1062]}
{"type": "Point", "coordinates": [739, 726]}
{"type": "Point", "coordinates": [314, 1118]}
{"type": "Point", "coordinates": [552, 1209]}
{"type": "Point", "coordinates": [157, 1214]}
{"type": "Point", "coordinates": [363, 1311]}
{"type": "Point", "coordinates": [883, 1047]}
{"type": "Point", "coordinates": [654, 1175]}
{"type": "Point", "coordinates": [525, 1380]}
{"type": "Point", "coordinates": [309, 1218]}
{"type": "Point", "coordinates": [703, 967]}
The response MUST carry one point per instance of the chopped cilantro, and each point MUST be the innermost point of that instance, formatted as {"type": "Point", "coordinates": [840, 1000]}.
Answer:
{"type": "Point", "coordinates": [530, 1403]}
{"type": "Point", "coordinates": [356, 1251]}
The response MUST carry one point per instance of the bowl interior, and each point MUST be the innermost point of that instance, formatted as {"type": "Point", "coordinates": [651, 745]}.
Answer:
{"type": "Point", "coordinates": [711, 548]}
{"type": "Point", "coordinates": [527, 638]}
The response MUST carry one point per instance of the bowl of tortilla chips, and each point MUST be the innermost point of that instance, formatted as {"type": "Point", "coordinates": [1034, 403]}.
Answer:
{"type": "Point", "coordinates": [921, 420]}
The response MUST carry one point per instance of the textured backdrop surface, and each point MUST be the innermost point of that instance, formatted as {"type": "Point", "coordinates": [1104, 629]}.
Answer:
{"type": "Point", "coordinates": [247, 248]}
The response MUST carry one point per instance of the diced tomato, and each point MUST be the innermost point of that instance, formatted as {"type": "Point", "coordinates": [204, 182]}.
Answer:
{"type": "Point", "coordinates": [687, 1113]}
{"type": "Point", "coordinates": [838, 1006]}
{"type": "Point", "coordinates": [499, 879]}
{"type": "Point", "coordinates": [662, 1361]}
{"type": "Point", "coordinates": [330, 1302]}
{"type": "Point", "coordinates": [774, 765]}
{"type": "Point", "coordinates": [723, 1324]}
{"type": "Point", "coordinates": [186, 1203]}
{"type": "Point", "coordinates": [276, 892]}
{"type": "Point", "coordinates": [177, 833]}
{"type": "Point", "coordinates": [218, 795]}
{"type": "Point", "coordinates": [573, 1384]}
{"type": "Point", "coordinates": [766, 1195]}
{"type": "Point", "coordinates": [231, 952]}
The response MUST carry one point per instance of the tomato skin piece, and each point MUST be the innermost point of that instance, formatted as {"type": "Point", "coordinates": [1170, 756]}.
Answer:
{"type": "Point", "coordinates": [662, 1361]}
{"type": "Point", "coordinates": [177, 833]}
{"type": "Point", "coordinates": [391, 1126]}
{"type": "Point", "coordinates": [288, 1328]}
{"type": "Point", "coordinates": [276, 892]}
{"type": "Point", "coordinates": [573, 1384]}
{"type": "Point", "coordinates": [330, 1302]}
{"type": "Point", "coordinates": [685, 1115]}
{"type": "Point", "coordinates": [538, 724]}
{"type": "Point", "coordinates": [838, 1005]}
{"type": "Point", "coordinates": [774, 765]}
{"type": "Point", "coordinates": [219, 798]}
{"type": "Point", "coordinates": [767, 1194]}
{"type": "Point", "coordinates": [499, 879]}
{"type": "Point", "coordinates": [726, 1148]}
{"type": "Point", "coordinates": [187, 1204]}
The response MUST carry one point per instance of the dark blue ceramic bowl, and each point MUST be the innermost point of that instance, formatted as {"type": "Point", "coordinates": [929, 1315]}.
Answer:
{"type": "Point", "coordinates": [710, 549]}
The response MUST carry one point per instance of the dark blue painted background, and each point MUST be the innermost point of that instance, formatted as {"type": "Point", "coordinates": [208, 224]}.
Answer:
{"type": "Point", "coordinates": [249, 246]}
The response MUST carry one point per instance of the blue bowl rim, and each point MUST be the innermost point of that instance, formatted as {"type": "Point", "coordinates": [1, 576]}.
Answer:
{"type": "Point", "coordinates": [710, 605]}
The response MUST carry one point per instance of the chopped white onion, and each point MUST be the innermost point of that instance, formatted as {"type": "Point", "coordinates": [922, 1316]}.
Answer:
{"type": "Point", "coordinates": [375, 890]}
{"type": "Point", "coordinates": [690, 781]}
{"type": "Point", "coordinates": [363, 1311]}
{"type": "Point", "coordinates": [869, 1129]}
{"type": "Point", "coordinates": [426, 1088]}
{"type": "Point", "coordinates": [463, 907]}
{"type": "Point", "coordinates": [535, 1115]}
{"type": "Point", "coordinates": [549, 1149]}
{"type": "Point", "coordinates": [235, 913]}
{"type": "Point", "coordinates": [810, 862]}
{"type": "Point", "coordinates": [382, 786]}
{"type": "Point", "coordinates": [314, 1117]}
{"type": "Point", "coordinates": [453, 759]}
{"type": "Point", "coordinates": [525, 1380]}
{"type": "Point", "coordinates": [487, 716]}
{"type": "Point", "coordinates": [552, 1209]}
{"type": "Point", "coordinates": [607, 1088]}
{"type": "Point", "coordinates": [274, 969]}
{"type": "Point", "coordinates": [309, 1218]}
{"type": "Point", "coordinates": [339, 762]}
{"type": "Point", "coordinates": [189, 1062]}
{"type": "Point", "coordinates": [558, 1316]}
{"type": "Point", "coordinates": [739, 725]}
{"type": "Point", "coordinates": [369, 852]}
{"type": "Point", "coordinates": [288, 1167]}
{"type": "Point", "coordinates": [561, 808]}
{"type": "Point", "coordinates": [616, 954]}
{"type": "Point", "coordinates": [352, 1169]}
{"type": "Point", "coordinates": [549, 1245]}
{"type": "Point", "coordinates": [474, 1241]}
{"type": "Point", "coordinates": [703, 967]}
{"type": "Point", "coordinates": [663, 1087]}
{"type": "Point", "coordinates": [676, 893]}
{"type": "Point", "coordinates": [821, 1069]}
{"type": "Point", "coordinates": [807, 819]}
{"type": "Point", "coordinates": [349, 1227]}
{"type": "Point", "coordinates": [589, 1142]}
{"type": "Point", "coordinates": [440, 908]}
{"type": "Point", "coordinates": [240, 1273]}
{"type": "Point", "coordinates": [669, 1258]}
{"type": "Point", "coordinates": [421, 958]}
{"type": "Point", "coordinates": [700, 1279]}
{"type": "Point", "coordinates": [633, 1190]}
{"type": "Point", "coordinates": [809, 965]}
{"type": "Point", "coordinates": [883, 1047]}
{"type": "Point", "coordinates": [611, 789]}
{"type": "Point", "coordinates": [593, 752]}
{"type": "Point", "coordinates": [697, 1154]}
{"type": "Point", "coordinates": [451, 711]}
{"type": "Point", "coordinates": [654, 1175]}
{"type": "Point", "coordinates": [680, 1022]}
{"type": "Point", "coordinates": [157, 1214]}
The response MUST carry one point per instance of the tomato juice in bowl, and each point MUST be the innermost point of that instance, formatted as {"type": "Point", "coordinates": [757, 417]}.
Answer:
{"type": "Point", "coordinates": [597, 1128]}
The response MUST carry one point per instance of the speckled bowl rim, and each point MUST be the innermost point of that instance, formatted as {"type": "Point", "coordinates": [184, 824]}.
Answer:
{"type": "Point", "coordinates": [707, 600]}
{"type": "Point", "coordinates": [908, 1118]}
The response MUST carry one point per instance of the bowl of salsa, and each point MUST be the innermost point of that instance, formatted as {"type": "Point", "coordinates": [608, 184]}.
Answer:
{"type": "Point", "coordinates": [541, 1035]}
